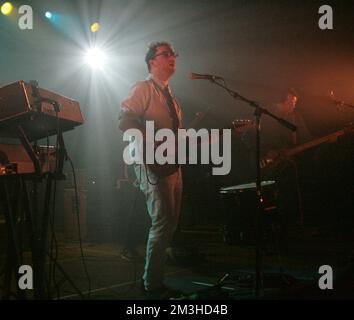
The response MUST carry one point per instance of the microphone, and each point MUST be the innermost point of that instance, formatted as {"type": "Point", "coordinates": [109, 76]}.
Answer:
{"type": "Point", "coordinates": [197, 76]}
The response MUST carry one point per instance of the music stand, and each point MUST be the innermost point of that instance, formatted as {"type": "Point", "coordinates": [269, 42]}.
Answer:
{"type": "Point", "coordinates": [258, 112]}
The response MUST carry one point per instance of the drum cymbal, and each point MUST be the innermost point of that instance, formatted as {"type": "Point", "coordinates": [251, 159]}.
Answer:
{"type": "Point", "coordinates": [245, 186]}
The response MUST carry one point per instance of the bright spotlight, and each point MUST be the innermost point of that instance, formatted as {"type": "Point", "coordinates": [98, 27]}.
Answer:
{"type": "Point", "coordinates": [95, 58]}
{"type": "Point", "coordinates": [95, 27]}
{"type": "Point", "coordinates": [6, 8]}
{"type": "Point", "coordinates": [48, 15]}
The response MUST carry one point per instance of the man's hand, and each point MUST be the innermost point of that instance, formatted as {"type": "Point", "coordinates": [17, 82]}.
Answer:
{"type": "Point", "coordinates": [272, 157]}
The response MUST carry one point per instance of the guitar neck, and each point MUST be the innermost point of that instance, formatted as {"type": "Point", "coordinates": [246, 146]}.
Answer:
{"type": "Point", "coordinates": [313, 143]}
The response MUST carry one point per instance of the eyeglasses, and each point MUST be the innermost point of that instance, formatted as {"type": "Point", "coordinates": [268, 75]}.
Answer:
{"type": "Point", "coordinates": [167, 54]}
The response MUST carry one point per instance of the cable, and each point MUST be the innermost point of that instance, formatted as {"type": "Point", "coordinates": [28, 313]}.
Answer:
{"type": "Point", "coordinates": [53, 241]}
{"type": "Point", "coordinates": [129, 226]}
{"type": "Point", "coordinates": [147, 176]}
{"type": "Point", "coordinates": [79, 227]}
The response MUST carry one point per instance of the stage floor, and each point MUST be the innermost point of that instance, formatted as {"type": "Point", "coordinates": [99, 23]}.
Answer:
{"type": "Point", "coordinates": [199, 260]}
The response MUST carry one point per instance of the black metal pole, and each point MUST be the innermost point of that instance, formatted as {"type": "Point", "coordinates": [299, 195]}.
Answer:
{"type": "Point", "coordinates": [259, 213]}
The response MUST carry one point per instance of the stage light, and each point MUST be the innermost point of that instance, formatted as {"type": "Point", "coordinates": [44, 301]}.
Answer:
{"type": "Point", "coordinates": [95, 27]}
{"type": "Point", "coordinates": [48, 15]}
{"type": "Point", "coordinates": [6, 8]}
{"type": "Point", "coordinates": [95, 58]}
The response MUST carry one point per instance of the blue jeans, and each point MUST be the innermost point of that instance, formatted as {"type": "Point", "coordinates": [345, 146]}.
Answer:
{"type": "Point", "coordinates": [163, 198]}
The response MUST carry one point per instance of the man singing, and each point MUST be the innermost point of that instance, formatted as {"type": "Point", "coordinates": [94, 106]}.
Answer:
{"type": "Point", "coordinates": [152, 100]}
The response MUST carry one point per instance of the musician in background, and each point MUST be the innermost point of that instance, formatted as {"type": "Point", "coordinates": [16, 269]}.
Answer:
{"type": "Point", "coordinates": [277, 140]}
{"type": "Point", "coordinates": [152, 100]}
{"type": "Point", "coordinates": [288, 109]}
{"type": "Point", "coordinates": [274, 135]}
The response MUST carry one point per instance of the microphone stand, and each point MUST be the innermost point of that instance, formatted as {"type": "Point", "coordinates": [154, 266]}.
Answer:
{"type": "Point", "coordinates": [259, 214]}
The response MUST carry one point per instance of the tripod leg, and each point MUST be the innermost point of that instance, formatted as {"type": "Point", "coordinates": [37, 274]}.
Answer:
{"type": "Point", "coordinates": [13, 255]}
{"type": "Point", "coordinates": [41, 246]}
{"type": "Point", "coordinates": [29, 218]}
{"type": "Point", "coordinates": [67, 278]}
{"type": "Point", "coordinates": [8, 272]}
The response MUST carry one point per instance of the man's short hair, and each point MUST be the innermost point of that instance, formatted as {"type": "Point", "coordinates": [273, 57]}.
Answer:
{"type": "Point", "coordinates": [151, 52]}
{"type": "Point", "coordinates": [293, 92]}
